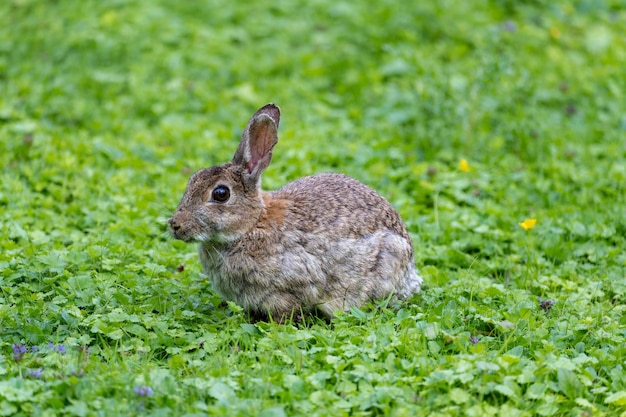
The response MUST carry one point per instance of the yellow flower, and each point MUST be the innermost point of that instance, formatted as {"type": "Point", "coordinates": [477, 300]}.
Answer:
{"type": "Point", "coordinates": [555, 33]}
{"type": "Point", "coordinates": [110, 18]}
{"type": "Point", "coordinates": [464, 166]}
{"type": "Point", "coordinates": [528, 224]}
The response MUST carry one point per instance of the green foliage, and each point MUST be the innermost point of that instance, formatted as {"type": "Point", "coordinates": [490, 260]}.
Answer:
{"type": "Point", "coordinates": [107, 106]}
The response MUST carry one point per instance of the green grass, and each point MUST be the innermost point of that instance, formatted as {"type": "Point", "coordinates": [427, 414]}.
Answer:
{"type": "Point", "coordinates": [106, 107]}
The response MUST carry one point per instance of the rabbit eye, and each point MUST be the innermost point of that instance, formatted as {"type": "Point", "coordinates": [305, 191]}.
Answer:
{"type": "Point", "coordinates": [221, 194]}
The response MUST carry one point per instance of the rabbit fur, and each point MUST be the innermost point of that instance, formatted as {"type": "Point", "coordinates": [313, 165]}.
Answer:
{"type": "Point", "coordinates": [324, 242]}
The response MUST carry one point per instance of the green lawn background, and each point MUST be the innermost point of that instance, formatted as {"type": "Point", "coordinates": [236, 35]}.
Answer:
{"type": "Point", "coordinates": [106, 107]}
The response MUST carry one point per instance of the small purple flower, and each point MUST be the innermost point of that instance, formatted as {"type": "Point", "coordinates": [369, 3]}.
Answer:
{"type": "Point", "coordinates": [143, 391]}
{"type": "Point", "coordinates": [19, 348]}
{"type": "Point", "coordinates": [57, 348]}
{"type": "Point", "coordinates": [18, 351]}
{"type": "Point", "coordinates": [35, 373]}
{"type": "Point", "coordinates": [34, 349]}
{"type": "Point", "coordinates": [509, 26]}
{"type": "Point", "coordinates": [474, 339]}
{"type": "Point", "coordinates": [546, 305]}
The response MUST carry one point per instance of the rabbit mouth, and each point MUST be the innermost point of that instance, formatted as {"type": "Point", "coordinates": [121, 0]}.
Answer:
{"type": "Point", "coordinates": [178, 231]}
{"type": "Point", "coordinates": [181, 236]}
{"type": "Point", "coordinates": [208, 238]}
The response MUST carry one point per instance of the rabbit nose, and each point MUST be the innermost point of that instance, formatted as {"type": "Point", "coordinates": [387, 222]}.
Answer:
{"type": "Point", "coordinates": [173, 224]}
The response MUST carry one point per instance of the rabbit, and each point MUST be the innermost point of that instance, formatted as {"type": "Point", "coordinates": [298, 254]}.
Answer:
{"type": "Point", "coordinates": [322, 243]}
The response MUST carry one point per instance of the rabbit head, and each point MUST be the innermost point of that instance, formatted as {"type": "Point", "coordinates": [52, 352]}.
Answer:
{"type": "Point", "coordinates": [222, 202]}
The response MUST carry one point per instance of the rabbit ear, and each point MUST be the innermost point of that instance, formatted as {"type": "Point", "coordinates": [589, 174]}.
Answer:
{"type": "Point", "coordinates": [271, 109]}
{"type": "Point", "coordinates": [261, 134]}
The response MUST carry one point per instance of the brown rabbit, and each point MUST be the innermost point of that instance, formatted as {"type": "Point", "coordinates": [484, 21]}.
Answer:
{"type": "Point", "coordinates": [325, 242]}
